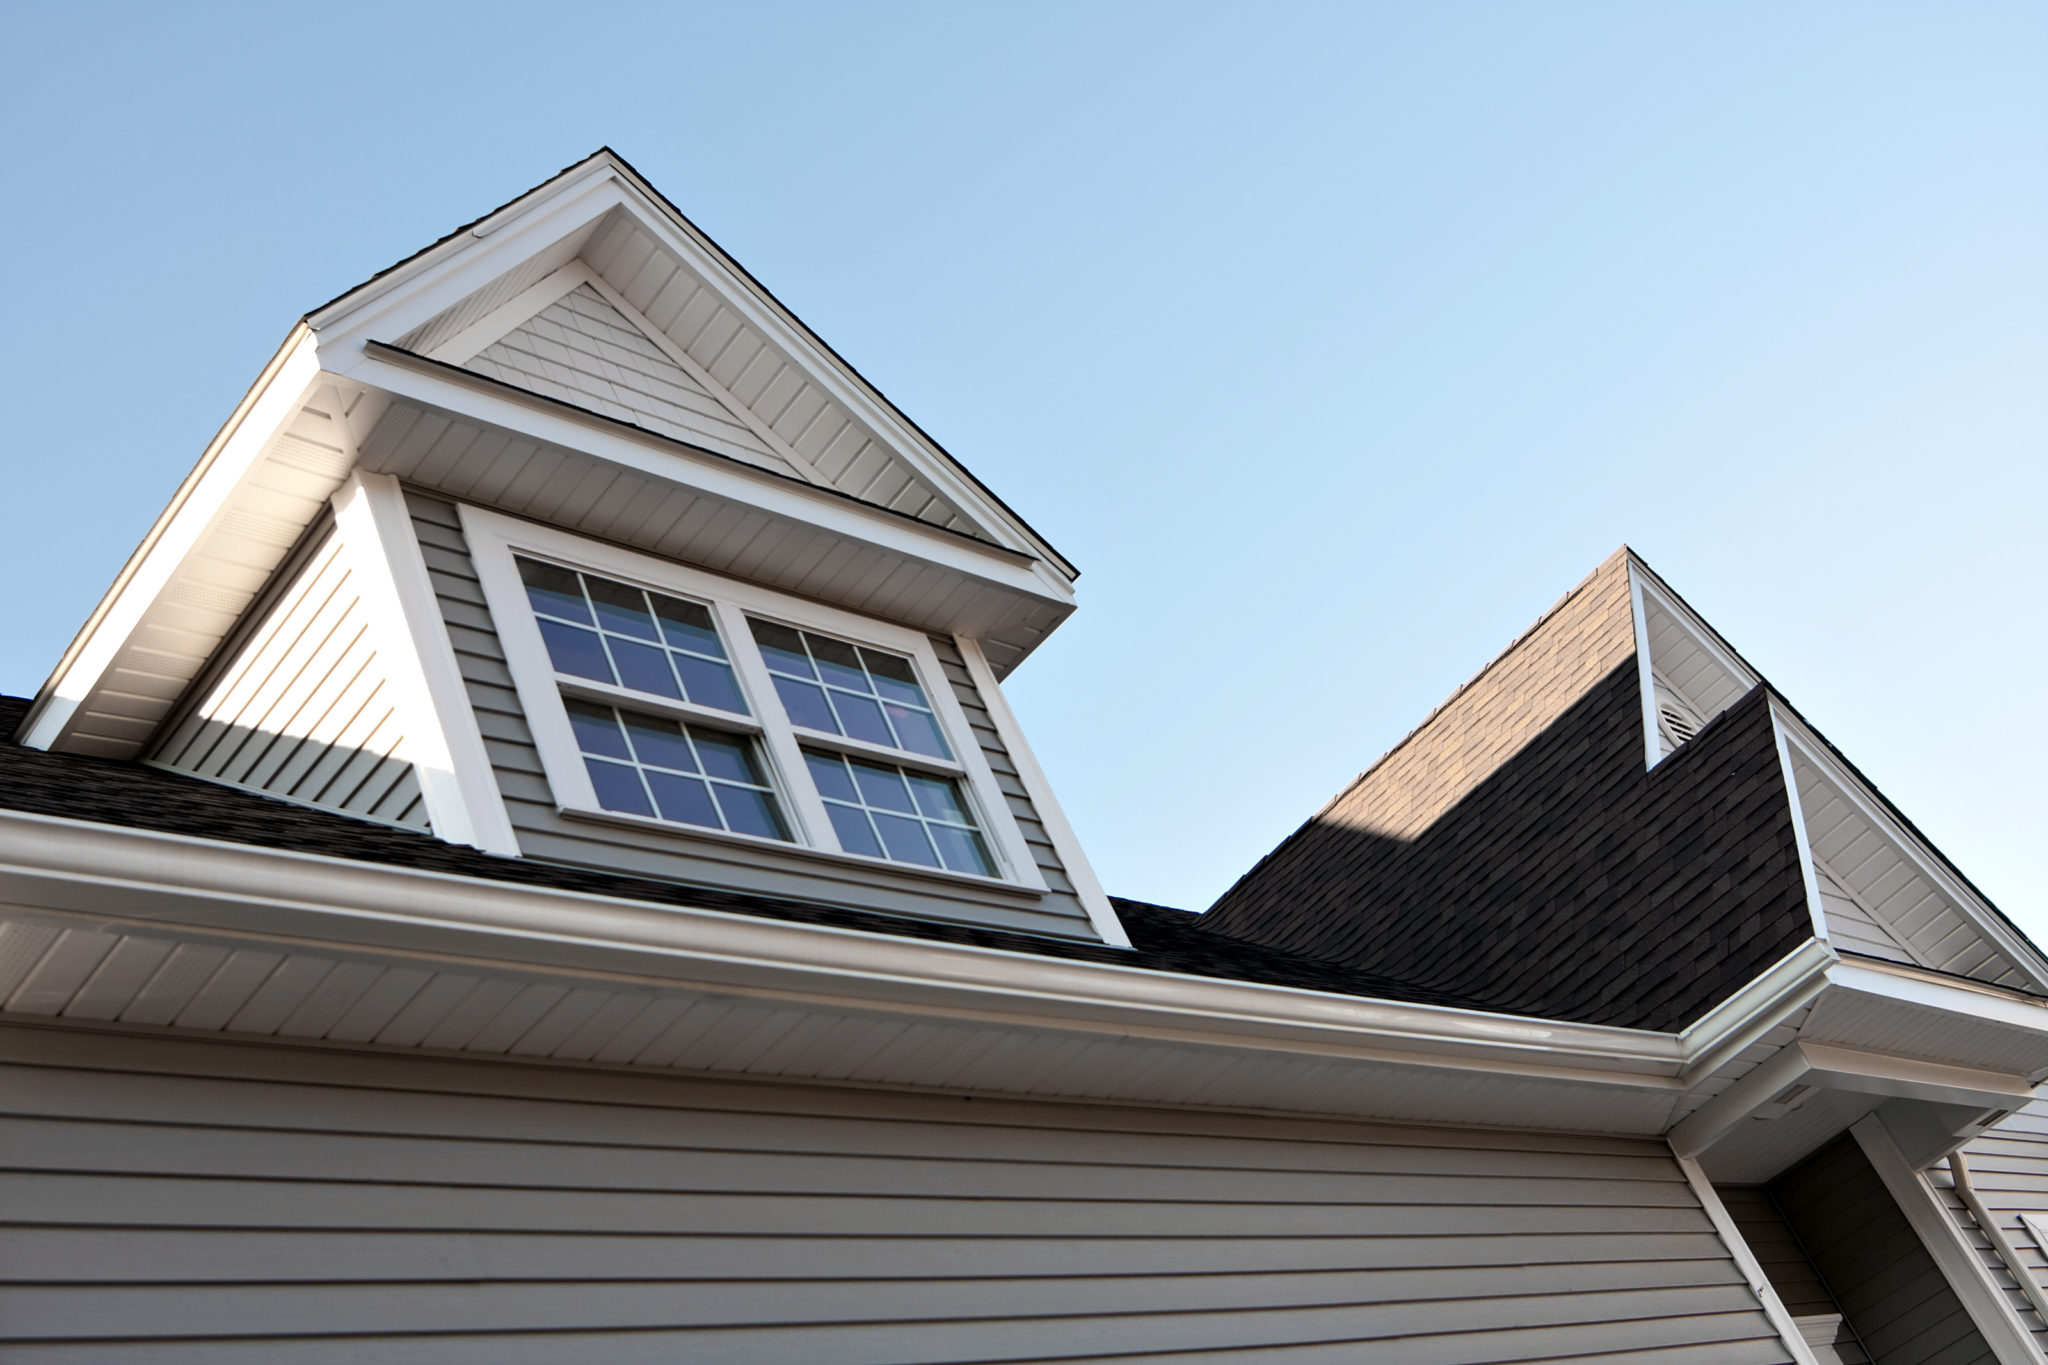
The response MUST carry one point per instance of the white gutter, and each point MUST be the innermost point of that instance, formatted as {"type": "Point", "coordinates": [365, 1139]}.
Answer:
{"type": "Point", "coordinates": [145, 877]}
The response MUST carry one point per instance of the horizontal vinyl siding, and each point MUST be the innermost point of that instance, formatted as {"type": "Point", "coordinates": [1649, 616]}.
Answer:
{"type": "Point", "coordinates": [188, 1202]}
{"type": "Point", "coordinates": [302, 707]}
{"type": "Point", "coordinates": [545, 833]}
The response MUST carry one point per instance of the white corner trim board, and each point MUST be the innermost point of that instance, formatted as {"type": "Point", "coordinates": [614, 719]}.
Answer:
{"type": "Point", "coordinates": [442, 739]}
{"type": "Point", "coordinates": [1928, 1215]}
{"type": "Point", "coordinates": [1746, 1261]}
{"type": "Point", "coordinates": [1093, 898]}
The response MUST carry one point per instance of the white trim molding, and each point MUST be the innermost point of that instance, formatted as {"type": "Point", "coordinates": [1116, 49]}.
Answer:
{"type": "Point", "coordinates": [443, 742]}
{"type": "Point", "coordinates": [494, 540]}
{"type": "Point", "coordinates": [1929, 1217]}
{"type": "Point", "coordinates": [1745, 1260]}
{"type": "Point", "coordinates": [1065, 843]}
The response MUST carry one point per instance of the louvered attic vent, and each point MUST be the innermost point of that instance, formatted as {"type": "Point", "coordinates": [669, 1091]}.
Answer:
{"type": "Point", "coordinates": [1677, 722]}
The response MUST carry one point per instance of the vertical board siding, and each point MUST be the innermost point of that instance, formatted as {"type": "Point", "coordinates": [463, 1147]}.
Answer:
{"type": "Point", "coordinates": [583, 351]}
{"type": "Point", "coordinates": [302, 707]}
{"type": "Point", "coordinates": [544, 832]}
{"type": "Point", "coordinates": [187, 1202]}
{"type": "Point", "coordinates": [1889, 1288]}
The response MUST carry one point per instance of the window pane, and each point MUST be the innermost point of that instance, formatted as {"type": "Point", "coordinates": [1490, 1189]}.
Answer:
{"type": "Point", "coordinates": [727, 756]}
{"type": "Point", "coordinates": [938, 798]}
{"type": "Point", "coordinates": [660, 743]}
{"type": "Point", "coordinates": [554, 591]}
{"type": "Point", "coordinates": [783, 648]}
{"type": "Point", "coordinates": [805, 703]}
{"type": "Point", "coordinates": [576, 652]}
{"type": "Point", "coordinates": [618, 787]}
{"type": "Point", "coordinates": [894, 678]}
{"type": "Point", "coordinates": [962, 850]}
{"type": "Point", "coordinates": [748, 811]}
{"type": "Point", "coordinates": [687, 625]}
{"type": "Point", "coordinates": [838, 664]}
{"type": "Point", "coordinates": [684, 799]}
{"type": "Point", "coordinates": [597, 730]}
{"type": "Point", "coordinates": [882, 787]}
{"type": "Point", "coordinates": [905, 839]}
{"type": "Point", "coordinates": [621, 608]}
{"type": "Point", "coordinates": [917, 731]}
{"type": "Point", "coordinates": [644, 668]}
{"type": "Point", "coordinates": [862, 717]}
{"type": "Point", "coordinates": [711, 684]}
{"type": "Point", "coordinates": [829, 772]}
{"type": "Point", "coordinates": [855, 834]}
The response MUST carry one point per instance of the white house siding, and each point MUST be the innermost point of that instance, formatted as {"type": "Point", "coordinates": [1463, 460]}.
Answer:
{"type": "Point", "coordinates": [545, 833]}
{"type": "Point", "coordinates": [582, 350]}
{"type": "Point", "coordinates": [177, 1202]}
{"type": "Point", "coordinates": [300, 706]}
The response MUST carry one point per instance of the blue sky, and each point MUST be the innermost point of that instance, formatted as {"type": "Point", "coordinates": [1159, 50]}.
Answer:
{"type": "Point", "coordinates": [1333, 342]}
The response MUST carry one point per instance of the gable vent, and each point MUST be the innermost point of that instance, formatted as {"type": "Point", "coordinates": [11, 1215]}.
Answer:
{"type": "Point", "coordinates": [1677, 722]}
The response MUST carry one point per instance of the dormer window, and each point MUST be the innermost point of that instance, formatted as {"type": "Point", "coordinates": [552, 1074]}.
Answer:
{"type": "Point", "coordinates": [666, 697]}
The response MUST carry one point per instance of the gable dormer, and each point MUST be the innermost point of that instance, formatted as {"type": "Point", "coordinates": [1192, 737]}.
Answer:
{"type": "Point", "coordinates": [357, 600]}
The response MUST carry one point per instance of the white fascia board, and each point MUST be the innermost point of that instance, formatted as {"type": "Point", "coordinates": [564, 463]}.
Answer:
{"type": "Point", "coordinates": [1646, 684]}
{"type": "Point", "coordinates": [1800, 737]}
{"type": "Point", "coordinates": [1705, 636]}
{"type": "Point", "coordinates": [1791, 779]}
{"type": "Point", "coordinates": [450, 271]}
{"type": "Point", "coordinates": [144, 877]}
{"type": "Point", "coordinates": [442, 741]}
{"type": "Point", "coordinates": [482, 400]}
{"type": "Point", "coordinates": [847, 388]}
{"type": "Point", "coordinates": [207, 492]}
{"type": "Point", "coordinates": [1993, 1004]}
{"type": "Point", "coordinates": [443, 276]}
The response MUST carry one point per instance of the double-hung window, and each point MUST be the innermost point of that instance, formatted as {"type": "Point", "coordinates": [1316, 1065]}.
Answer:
{"type": "Point", "coordinates": [668, 697]}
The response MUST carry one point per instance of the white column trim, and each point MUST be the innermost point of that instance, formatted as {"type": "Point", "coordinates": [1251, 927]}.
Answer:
{"type": "Point", "coordinates": [1746, 1261]}
{"type": "Point", "coordinates": [441, 735]}
{"type": "Point", "coordinates": [1929, 1217]}
{"type": "Point", "coordinates": [1093, 899]}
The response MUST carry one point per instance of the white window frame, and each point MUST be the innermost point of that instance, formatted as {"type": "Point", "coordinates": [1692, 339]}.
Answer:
{"type": "Point", "coordinates": [494, 541]}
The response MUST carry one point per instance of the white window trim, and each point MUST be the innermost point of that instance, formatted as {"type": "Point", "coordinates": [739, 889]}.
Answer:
{"type": "Point", "coordinates": [493, 541]}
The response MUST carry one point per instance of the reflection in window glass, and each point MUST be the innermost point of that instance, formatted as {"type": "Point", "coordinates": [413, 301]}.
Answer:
{"type": "Point", "coordinates": [648, 765]}
{"type": "Point", "coordinates": [842, 689]}
{"type": "Point", "coordinates": [615, 633]}
{"type": "Point", "coordinates": [908, 817]}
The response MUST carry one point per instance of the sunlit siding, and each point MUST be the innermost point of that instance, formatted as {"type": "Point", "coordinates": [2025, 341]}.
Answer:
{"type": "Point", "coordinates": [301, 706]}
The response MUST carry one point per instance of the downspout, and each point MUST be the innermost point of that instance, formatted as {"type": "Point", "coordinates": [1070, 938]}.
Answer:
{"type": "Point", "coordinates": [1959, 1169]}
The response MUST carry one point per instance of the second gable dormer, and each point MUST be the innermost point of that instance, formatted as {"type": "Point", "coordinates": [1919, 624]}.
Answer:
{"type": "Point", "coordinates": [565, 539]}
